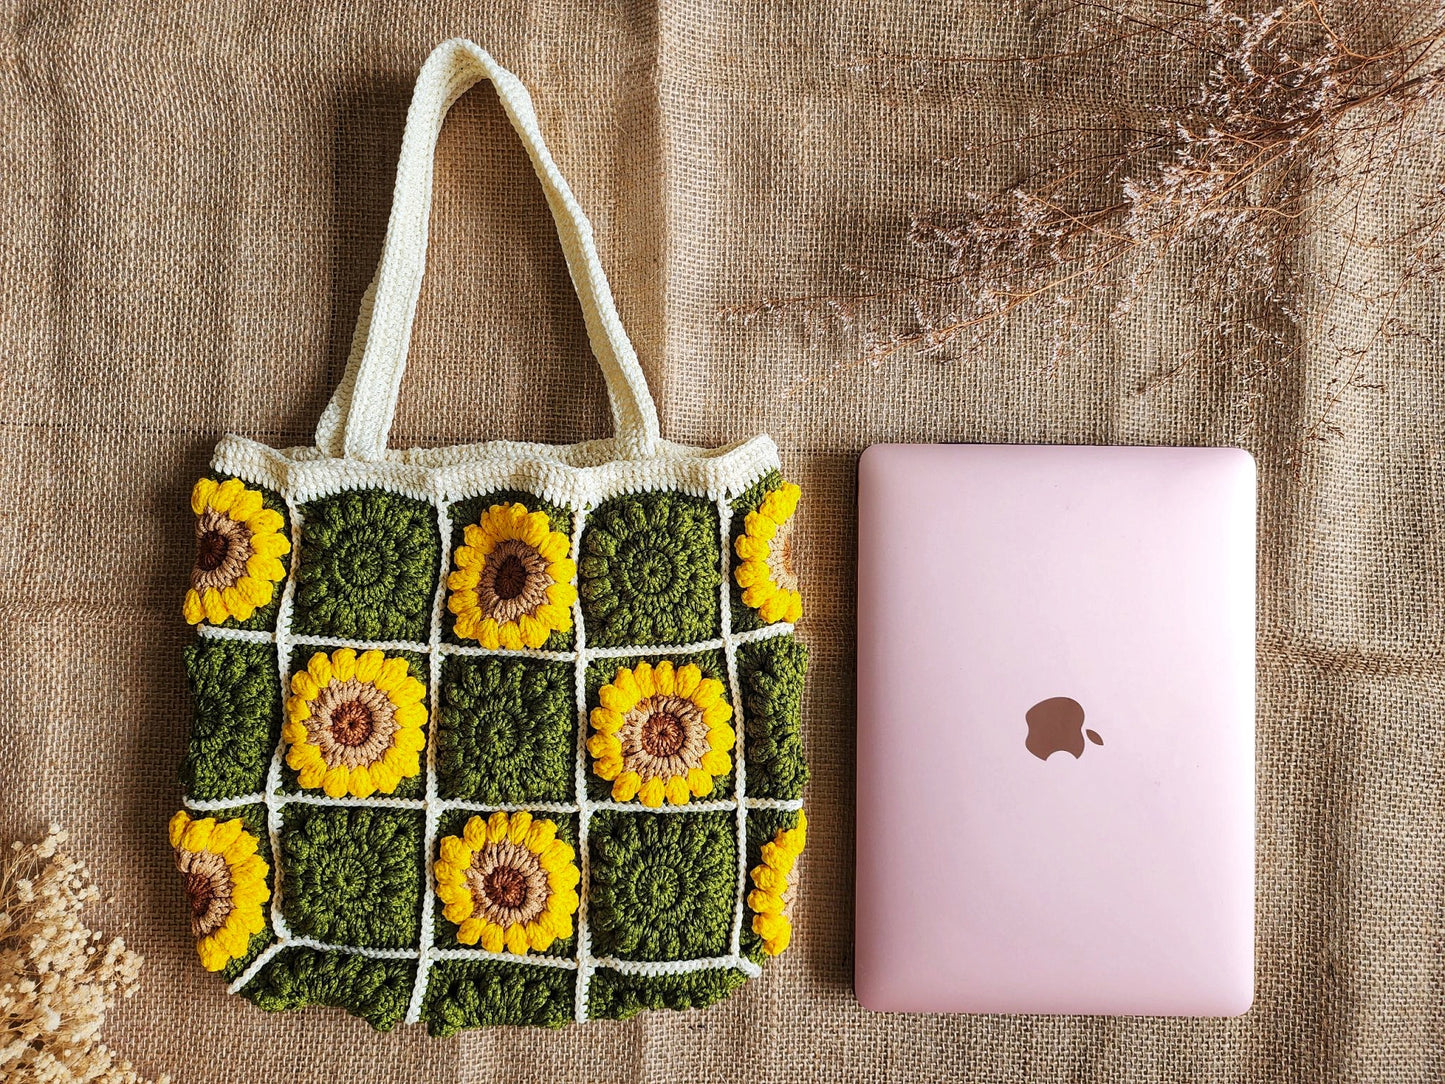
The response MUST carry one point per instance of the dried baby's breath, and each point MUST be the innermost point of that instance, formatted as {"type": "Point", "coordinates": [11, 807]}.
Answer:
{"type": "Point", "coordinates": [1235, 149]}
{"type": "Point", "coordinates": [58, 977]}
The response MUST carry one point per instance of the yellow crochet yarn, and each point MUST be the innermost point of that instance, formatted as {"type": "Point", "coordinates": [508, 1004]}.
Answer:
{"type": "Point", "coordinates": [225, 884]}
{"type": "Point", "coordinates": [509, 883]}
{"type": "Point", "coordinates": [661, 733]}
{"type": "Point", "coordinates": [773, 890]}
{"type": "Point", "coordinates": [513, 583]}
{"type": "Point", "coordinates": [766, 574]}
{"type": "Point", "coordinates": [238, 552]}
{"type": "Point", "coordinates": [354, 723]}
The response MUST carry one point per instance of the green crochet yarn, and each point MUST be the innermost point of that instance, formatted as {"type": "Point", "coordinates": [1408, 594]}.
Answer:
{"type": "Point", "coordinates": [464, 994]}
{"type": "Point", "coordinates": [770, 673]}
{"type": "Point", "coordinates": [744, 617]}
{"type": "Point", "coordinates": [368, 567]}
{"type": "Point", "coordinates": [416, 666]}
{"type": "Point", "coordinates": [713, 664]}
{"type": "Point", "coordinates": [470, 511]}
{"type": "Point", "coordinates": [452, 823]}
{"type": "Point", "coordinates": [508, 730]}
{"type": "Point", "coordinates": [378, 991]}
{"type": "Point", "coordinates": [353, 876]}
{"type": "Point", "coordinates": [615, 996]}
{"type": "Point", "coordinates": [649, 571]}
{"type": "Point", "coordinates": [236, 692]}
{"type": "Point", "coordinates": [763, 826]}
{"type": "Point", "coordinates": [663, 884]}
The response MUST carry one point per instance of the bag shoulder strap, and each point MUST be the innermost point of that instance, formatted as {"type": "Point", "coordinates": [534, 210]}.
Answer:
{"type": "Point", "coordinates": [357, 421]}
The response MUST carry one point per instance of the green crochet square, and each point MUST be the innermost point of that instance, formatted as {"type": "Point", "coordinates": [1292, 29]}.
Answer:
{"type": "Point", "coordinates": [417, 667]}
{"type": "Point", "coordinates": [508, 730]}
{"type": "Point", "coordinates": [650, 571]}
{"type": "Point", "coordinates": [763, 826]}
{"type": "Point", "coordinates": [713, 664]}
{"type": "Point", "coordinates": [615, 996]}
{"type": "Point", "coordinates": [770, 674]}
{"type": "Point", "coordinates": [452, 823]}
{"type": "Point", "coordinates": [353, 876]}
{"type": "Point", "coordinates": [663, 885]}
{"type": "Point", "coordinates": [376, 990]}
{"type": "Point", "coordinates": [469, 512]}
{"type": "Point", "coordinates": [744, 617]}
{"type": "Point", "coordinates": [367, 567]}
{"type": "Point", "coordinates": [236, 692]}
{"type": "Point", "coordinates": [463, 994]}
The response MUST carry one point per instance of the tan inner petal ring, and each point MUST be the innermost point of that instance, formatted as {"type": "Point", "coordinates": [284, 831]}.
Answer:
{"type": "Point", "coordinates": [508, 884]}
{"type": "Point", "coordinates": [223, 547]}
{"type": "Point", "coordinates": [513, 581]}
{"type": "Point", "coordinates": [208, 888]}
{"type": "Point", "coordinates": [780, 558]}
{"type": "Point", "coordinates": [664, 736]}
{"type": "Point", "coordinates": [352, 724]}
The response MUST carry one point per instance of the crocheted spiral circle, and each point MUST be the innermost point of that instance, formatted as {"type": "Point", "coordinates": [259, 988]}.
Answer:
{"type": "Point", "coordinates": [368, 566]}
{"type": "Point", "coordinates": [649, 570]}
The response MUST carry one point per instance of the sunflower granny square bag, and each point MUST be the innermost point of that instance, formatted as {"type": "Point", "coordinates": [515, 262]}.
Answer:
{"type": "Point", "coordinates": [499, 733]}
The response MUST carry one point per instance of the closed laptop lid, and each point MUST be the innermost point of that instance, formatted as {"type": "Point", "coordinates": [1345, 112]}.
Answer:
{"type": "Point", "coordinates": [1055, 730]}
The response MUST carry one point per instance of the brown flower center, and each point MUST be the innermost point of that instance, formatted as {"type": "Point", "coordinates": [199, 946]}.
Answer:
{"type": "Point", "coordinates": [211, 550]}
{"type": "Point", "coordinates": [351, 723]}
{"type": "Point", "coordinates": [208, 890]}
{"type": "Point", "coordinates": [511, 578]}
{"type": "Point", "coordinates": [780, 558]}
{"type": "Point", "coordinates": [200, 890]}
{"type": "Point", "coordinates": [506, 886]}
{"type": "Point", "coordinates": [663, 735]}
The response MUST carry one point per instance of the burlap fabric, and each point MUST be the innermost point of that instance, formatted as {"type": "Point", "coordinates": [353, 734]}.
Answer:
{"type": "Point", "coordinates": [193, 201]}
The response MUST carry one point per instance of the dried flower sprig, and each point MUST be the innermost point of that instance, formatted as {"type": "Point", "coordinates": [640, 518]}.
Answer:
{"type": "Point", "coordinates": [1261, 130]}
{"type": "Point", "coordinates": [58, 977]}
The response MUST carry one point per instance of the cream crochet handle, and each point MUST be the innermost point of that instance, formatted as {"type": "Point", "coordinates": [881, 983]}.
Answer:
{"type": "Point", "coordinates": [358, 419]}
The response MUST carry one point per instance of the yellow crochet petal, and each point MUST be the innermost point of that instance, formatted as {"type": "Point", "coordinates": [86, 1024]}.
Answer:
{"type": "Point", "coordinates": [214, 607]}
{"type": "Point", "coordinates": [368, 665]}
{"type": "Point", "coordinates": [538, 938]}
{"type": "Point", "coordinates": [676, 790]}
{"type": "Point", "coordinates": [642, 675]}
{"type": "Point", "coordinates": [304, 685]}
{"type": "Point", "coordinates": [225, 494]}
{"type": "Point", "coordinates": [336, 782]}
{"type": "Point", "coordinates": [319, 667]}
{"type": "Point", "coordinates": [707, 693]}
{"type": "Point", "coordinates": [650, 793]}
{"type": "Point", "coordinates": [343, 664]}
{"type": "Point", "coordinates": [721, 737]}
{"type": "Point", "coordinates": [201, 494]}
{"type": "Point", "coordinates": [176, 830]}
{"type": "Point", "coordinates": [518, 827]}
{"type": "Point", "coordinates": [540, 835]}
{"type": "Point", "coordinates": [268, 521]}
{"type": "Point", "coordinates": [246, 505]}
{"type": "Point", "coordinates": [497, 827]}
{"type": "Point", "coordinates": [561, 594]}
{"type": "Point", "coordinates": [517, 939]}
{"type": "Point", "coordinates": [509, 636]}
{"type": "Point", "coordinates": [270, 544]}
{"type": "Point", "coordinates": [554, 548]}
{"type": "Point", "coordinates": [238, 604]}
{"type": "Point", "coordinates": [689, 678]}
{"type": "Point", "coordinates": [717, 713]}
{"type": "Point", "coordinates": [471, 931]}
{"type": "Point", "coordinates": [716, 762]}
{"type": "Point", "coordinates": [699, 782]}
{"type": "Point", "coordinates": [191, 609]}
{"type": "Point", "coordinates": [664, 678]}
{"type": "Point", "coordinates": [257, 592]}
{"type": "Point", "coordinates": [534, 634]}
{"type": "Point", "coordinates": [625, 786]}
{"type": "Point", "coordinates": [553, 616]}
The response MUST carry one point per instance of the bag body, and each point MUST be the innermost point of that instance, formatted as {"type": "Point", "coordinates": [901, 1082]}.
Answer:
{"type": "Point", "coordinates": [500, 733]}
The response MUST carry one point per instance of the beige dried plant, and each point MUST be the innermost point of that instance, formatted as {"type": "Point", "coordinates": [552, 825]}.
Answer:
{"type": "Point", "coordinates": [58, 977]}
{"type": "Point", "coordinates": [1223, 141]}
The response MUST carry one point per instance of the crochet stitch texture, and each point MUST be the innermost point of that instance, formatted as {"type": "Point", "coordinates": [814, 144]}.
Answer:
{"type": "Point", "coordinates": [664, 887]}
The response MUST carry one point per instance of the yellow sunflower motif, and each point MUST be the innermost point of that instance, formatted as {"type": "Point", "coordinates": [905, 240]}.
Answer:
{"type": "Point", "coordinates": [765, 549]}
{"type": "Point", "coordinates": [225, 885]}
{"type": "Point", "coordinates": [238, 552]}
{"type": "Point", "coordinates": [509, 883]}
{"type": "Point", "coordinates": [661, 733]}
{"type": "Point", "coordinates": [775, 885]}
{"type": "Point", "coordinates": [512, 587]}
{"type": "Point", "coordinates": [354, 723]}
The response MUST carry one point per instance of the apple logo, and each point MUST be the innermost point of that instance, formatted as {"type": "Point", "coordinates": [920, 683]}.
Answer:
{"type": "Point", "coordinates": [1057, 724]}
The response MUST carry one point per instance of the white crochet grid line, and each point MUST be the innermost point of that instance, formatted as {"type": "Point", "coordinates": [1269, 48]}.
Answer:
{"type": "Point", "coordinates": [426, 953]}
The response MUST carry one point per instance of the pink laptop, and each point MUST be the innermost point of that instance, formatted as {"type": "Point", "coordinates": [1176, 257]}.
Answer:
{"type": "Point", "coordinates": [1055, 730]}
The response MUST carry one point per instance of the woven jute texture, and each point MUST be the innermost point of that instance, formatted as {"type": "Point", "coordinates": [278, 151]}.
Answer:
{"type": "Point", "coordinates": [192, 199]}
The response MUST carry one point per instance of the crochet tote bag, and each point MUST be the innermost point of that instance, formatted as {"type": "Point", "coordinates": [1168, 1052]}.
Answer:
{"type": "Point", "coordinates": [492, 734]}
